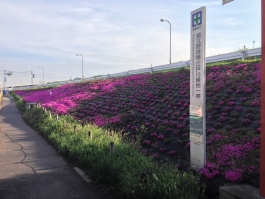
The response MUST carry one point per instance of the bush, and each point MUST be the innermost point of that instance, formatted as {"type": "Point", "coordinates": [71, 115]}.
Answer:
{"type": "Point", "coordinates": [127, 172]}
{"type": "Point", "coordinates": [20, 103]}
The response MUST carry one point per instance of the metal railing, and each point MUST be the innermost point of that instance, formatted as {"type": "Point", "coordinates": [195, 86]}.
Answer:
{"type": "Point", "coordinates": [211, 59]}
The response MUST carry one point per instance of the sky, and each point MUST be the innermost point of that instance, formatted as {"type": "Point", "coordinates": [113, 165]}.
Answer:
{"type": "Point", "coordinates": [113, 35]}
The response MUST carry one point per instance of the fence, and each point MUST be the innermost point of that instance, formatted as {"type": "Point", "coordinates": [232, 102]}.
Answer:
{"type": "Point", "coordinates": [211, 59]}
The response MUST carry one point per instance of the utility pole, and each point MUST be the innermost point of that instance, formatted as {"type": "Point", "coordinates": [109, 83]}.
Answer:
{"type": "Point", "coordinates": [31, 78]}
{"type": "Point", "coordinates": [4, 79]}
{"type": "Point", "coordinates": [82, 65]}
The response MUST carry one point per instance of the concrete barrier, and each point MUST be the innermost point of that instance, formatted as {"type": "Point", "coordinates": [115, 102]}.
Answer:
{"type": "Point", "coordinates": [240, 191]}
{"type": "Point", "coordinates": [29, 105]}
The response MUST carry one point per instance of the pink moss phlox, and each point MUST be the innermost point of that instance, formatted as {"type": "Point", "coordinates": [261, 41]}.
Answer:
{"type": "Point", "coordinates": [214, 68]}
{"type": "Point", "coordinates": [256, 102]}
{"type": "Point", "coordinates": [229, 151]}
{"type": "Point", "coordinates": [213, 138]}
{"type": "Point", "coordinates": [234, 175]}
{"type": "Point", "coordinates": [161, 137]}
{"type": "Point", "coordinates": [240, 66]}
{"type": "Point", "coordinates": [171, 152]}
{"type": "Point", "coordinates": [246, 121]}
{"type": "Point", "coordinates": [147, 142]}
{"type": "Point", "coordinates": [209, 170]}
{"type": "Point", "coordinates": [231, 103]}
{"type": "Point", "coordinates": [105, 101]}
{"type": "Point", "coordinates": [154, 134]}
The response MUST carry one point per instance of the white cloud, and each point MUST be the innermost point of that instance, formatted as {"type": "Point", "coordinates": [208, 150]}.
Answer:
{"type": "Point", "coordinates": [231, 21]}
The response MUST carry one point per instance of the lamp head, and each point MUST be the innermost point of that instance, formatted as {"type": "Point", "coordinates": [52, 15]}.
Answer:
{"type": "Point", "coordinates": [161, 20]}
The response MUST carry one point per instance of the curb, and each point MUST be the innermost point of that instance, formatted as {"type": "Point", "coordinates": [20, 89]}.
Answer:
{"type": "Point", "coordinates": [82, 174]}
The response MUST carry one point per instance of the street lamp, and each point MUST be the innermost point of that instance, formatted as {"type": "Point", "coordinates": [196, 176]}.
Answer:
{"type": "Point", "coordinates": [162, 20]}
{"type": "Point", "coordinates": [82, 65]}
{"type": "Point", "coordinates": [253, 44]}
{"type": "Point", "coordinates": [8, 73]}
{"type": "Point", "coordinates": [42, 75]}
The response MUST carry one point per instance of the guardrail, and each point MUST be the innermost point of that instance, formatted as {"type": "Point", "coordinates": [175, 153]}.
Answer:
{"type": "Point", "coordinates": [211, 59]}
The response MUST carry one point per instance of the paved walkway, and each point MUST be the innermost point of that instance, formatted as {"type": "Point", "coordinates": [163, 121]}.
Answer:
{"type": "Point", "coordinates": [31, 168]}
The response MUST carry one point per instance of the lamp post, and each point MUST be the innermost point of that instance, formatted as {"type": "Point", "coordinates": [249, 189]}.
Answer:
{"type": "Point", "coordinates": [82, 65]}
{"type": "Point", "coordinates": [4, 79]}
{"type": "Point", "coordinates": [42, 75]}
{"type": "Point", "coordinates": [162, 20]}
{"type": "Point", "coordinates": [8, 73]}
{"type": "Point", "coordinates": [32, 75]}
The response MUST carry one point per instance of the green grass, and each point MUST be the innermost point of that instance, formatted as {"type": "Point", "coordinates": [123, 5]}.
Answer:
{"type": "Point", "coordinates": [235, 61]}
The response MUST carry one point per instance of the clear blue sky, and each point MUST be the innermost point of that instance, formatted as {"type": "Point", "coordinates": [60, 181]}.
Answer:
{"type": "Point", "coordinates": [113, 36]}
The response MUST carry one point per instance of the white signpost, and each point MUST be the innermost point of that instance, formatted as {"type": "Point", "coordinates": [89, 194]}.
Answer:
{"type": "Point", "coordinates": [226, 1]}
{"type": "Point", "coordinates": [197, 89]}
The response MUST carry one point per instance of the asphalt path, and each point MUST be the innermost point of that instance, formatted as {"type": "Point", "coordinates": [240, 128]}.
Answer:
{"type": "Point", "coordinates": [30, 167]}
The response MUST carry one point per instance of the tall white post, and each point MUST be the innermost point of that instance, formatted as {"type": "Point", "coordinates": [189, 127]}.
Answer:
{"type": "Point", "coordinates": [197, 89]}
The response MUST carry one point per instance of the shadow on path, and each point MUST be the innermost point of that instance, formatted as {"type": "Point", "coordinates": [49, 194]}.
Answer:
{"type": "Point", "coordinates": [30, 167]}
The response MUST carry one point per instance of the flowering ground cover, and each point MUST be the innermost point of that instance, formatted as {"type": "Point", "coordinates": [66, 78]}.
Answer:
{"type": "Point", "coordinates": [156, 108]}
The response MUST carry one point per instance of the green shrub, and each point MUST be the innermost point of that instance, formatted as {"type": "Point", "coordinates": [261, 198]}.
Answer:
{"type": "Point", "coordinates": [19, 102]}
{"type": "Point", "coordinates": [127, 172]}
